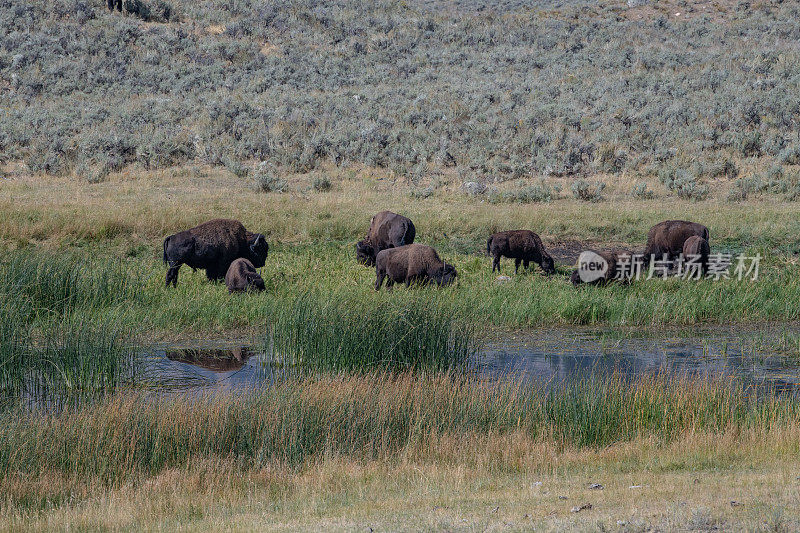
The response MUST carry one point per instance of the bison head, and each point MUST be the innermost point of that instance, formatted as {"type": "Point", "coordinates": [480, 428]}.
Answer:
{"type": "Point", "coordinates": [445, 275]}
{"type": "Point", "coordinates": [259, 249]}
{"type": "Point", "coordinates": [547, 264]}
{"type": "Point", "coordinates": [365, 253]}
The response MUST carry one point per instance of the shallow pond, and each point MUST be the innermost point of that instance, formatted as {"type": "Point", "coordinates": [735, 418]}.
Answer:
{"type": "Point", "coordinates": [769, 355]}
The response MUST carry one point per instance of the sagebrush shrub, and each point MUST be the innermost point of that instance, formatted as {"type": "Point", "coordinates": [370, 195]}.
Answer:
{"type": "Point", "coordinates": [588, 191]}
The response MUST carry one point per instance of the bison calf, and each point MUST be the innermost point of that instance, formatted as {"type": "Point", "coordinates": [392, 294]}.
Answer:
{"type": "Point", "coordinates": [595, 276]}
{"type": "Point", "coordinates": [213, 246]}
{"type": "Point", "coordinates": [696, 251]}
{"type": "Point", "coordinates": [386, 230]}
{"type": "Point", "coordinates": [412, 263]}
{"type": "Point", "coordinates": [242, 276]}
{"type": "Point", "coordinates": [667, 238]}
{"type": "Point", "coordinates": [521, 245]}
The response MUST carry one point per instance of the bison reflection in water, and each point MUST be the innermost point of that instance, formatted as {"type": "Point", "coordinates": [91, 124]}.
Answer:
{"type": "Point", "coordinates": [386, 230]}
{"type": "Point", "coordinates": [214, 359]}
{"type": "Point", "coordinates": [213, 246]}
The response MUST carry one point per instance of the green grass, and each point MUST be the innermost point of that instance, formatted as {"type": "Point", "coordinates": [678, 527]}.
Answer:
{"type": "Point", "coordinates": [371, 417]}
{"type": "Point", "coordinates": [137, 298]}
{"type": "Point", "coordinates": [50, 344]}
{"type": "Point", "coordinates": [329, 332]}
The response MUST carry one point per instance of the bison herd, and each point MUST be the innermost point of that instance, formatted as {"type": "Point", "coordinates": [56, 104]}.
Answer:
{"type": "Point", "coordinates": [226, 250]}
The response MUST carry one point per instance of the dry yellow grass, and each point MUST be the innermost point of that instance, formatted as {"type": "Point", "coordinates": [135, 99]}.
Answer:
{"type": "Point", "coordinates": [702, 482]}
{"type": "Point", "coordinates": [138, 206]}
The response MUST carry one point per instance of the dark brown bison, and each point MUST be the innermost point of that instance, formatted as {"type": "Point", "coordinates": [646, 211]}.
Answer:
{"type": "Point", "coordinates": [521, 245]}
{"type": "Point", "coordinates": [601, 277]}
{"type": "Point", "coordinates": [213, 246]}
{"type": "Point", "coordinates": [412, 263]}
{"type": "Point", "coordinates": [668, 237]}
{"type": "Point", "coordinates": [242, 276]}
{"type": "Point", "coordinates": [696, 249]}
{"type": "Point", "coordinates": [387, 230]}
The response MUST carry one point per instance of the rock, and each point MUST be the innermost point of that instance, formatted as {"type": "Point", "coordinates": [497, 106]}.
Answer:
{"type": "Point", "coordinates": [473, 187]}
{"type": "Point", "coordinates": [562, 497]}
{"type": "Point", "coordinates": [504, 279]}
{"type": "Point", "coordinates": [496, 509]}
{"type": "Point", "coordinates": [596, 486]}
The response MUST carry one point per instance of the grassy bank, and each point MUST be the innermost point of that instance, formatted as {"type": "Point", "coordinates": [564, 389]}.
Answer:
{"type": "Point", "coordinates": [273, 441]}
{"type": "Point", "coordinates": [117, 227]}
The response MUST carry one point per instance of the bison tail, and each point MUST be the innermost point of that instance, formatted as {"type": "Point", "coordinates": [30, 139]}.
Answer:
{"type": "Point", "coordinates": [164, 254]}
{"type": "Point", "coordinates": [408, 235]}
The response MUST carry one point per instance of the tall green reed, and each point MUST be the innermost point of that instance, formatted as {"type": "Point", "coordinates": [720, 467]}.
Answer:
{"type": "Point", "coordinates": [333, 333]}
{"type": "Point", "coordinates": [49, 342]}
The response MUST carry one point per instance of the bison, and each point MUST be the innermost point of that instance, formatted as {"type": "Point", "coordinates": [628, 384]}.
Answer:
{"type": "Point", "coordinates": [213, 246]}
{"type": "Point", "coordinates": [242, 276]}
{"type": "Point", "coordinates": [412, 263]}
{"type": "Point", "coordinates": [667, 238]}
{"type": "Point", "coordinates": [696, 251]}
{"type": "Point", "coordinates": [386, 230]}
{"type": "Point", "coordinates": [600, 277]}
{"type": "Point", "coordinates": [523, 246]}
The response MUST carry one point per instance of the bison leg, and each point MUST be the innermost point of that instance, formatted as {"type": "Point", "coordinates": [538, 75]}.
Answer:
{"type": "Point", "coordinates": [172, 275]}
{"type": "Point", "coordinates": [526, 264]}
{"type": "Point", "coordinates": [213, 274]}
{"type": "Point", "coordinates": [379, 277]}
{"type": "Point", "coordinates": [496, 263]}
{"type": "Point", "coordinates": [516, 265]}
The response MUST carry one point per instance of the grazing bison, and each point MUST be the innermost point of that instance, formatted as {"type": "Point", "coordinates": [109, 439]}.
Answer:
{"type": "Point", "coordinates": [213, 246]}
{"type": "Point", "coordinates": [242, 276]}
{"type": "Point", "coordinates": [412, 263]}
{"type": "Point", "coordinates": [696, 249]}
{"type": "Point", "coordinates": [595, 276]}
{"type": "Point", "coordinates": [668, 237]}
{"type": "Point", "coordinates": [387, 230]}
{"type": "Point", "coordinates": [523, 246]}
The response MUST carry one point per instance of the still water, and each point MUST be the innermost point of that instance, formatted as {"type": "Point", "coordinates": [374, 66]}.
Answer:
{"type": "Point", "coordinates": [769, 355]}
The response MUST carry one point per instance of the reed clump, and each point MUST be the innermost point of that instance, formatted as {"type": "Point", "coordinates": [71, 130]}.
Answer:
{"type": "Point", "coordinates": [336, 333]}
{"type": "Point", "coordinates": [49, 341]}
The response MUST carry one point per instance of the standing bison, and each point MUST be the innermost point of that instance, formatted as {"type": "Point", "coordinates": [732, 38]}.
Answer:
{"type": "Point", "coordinates": [521, 245]}
{"type": "Point", "coordinates": [412, 263]}
{"type": "Point", "coordinates": [387, 230]}
{"type": "Point", "coordinates": [242, 276]}
{"type": "Point", "coordinates": [696, 249]}
{"type": "Point", "coordinates": [667, 238]}
{"type": "Point", "coordinates": [213, 246]}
